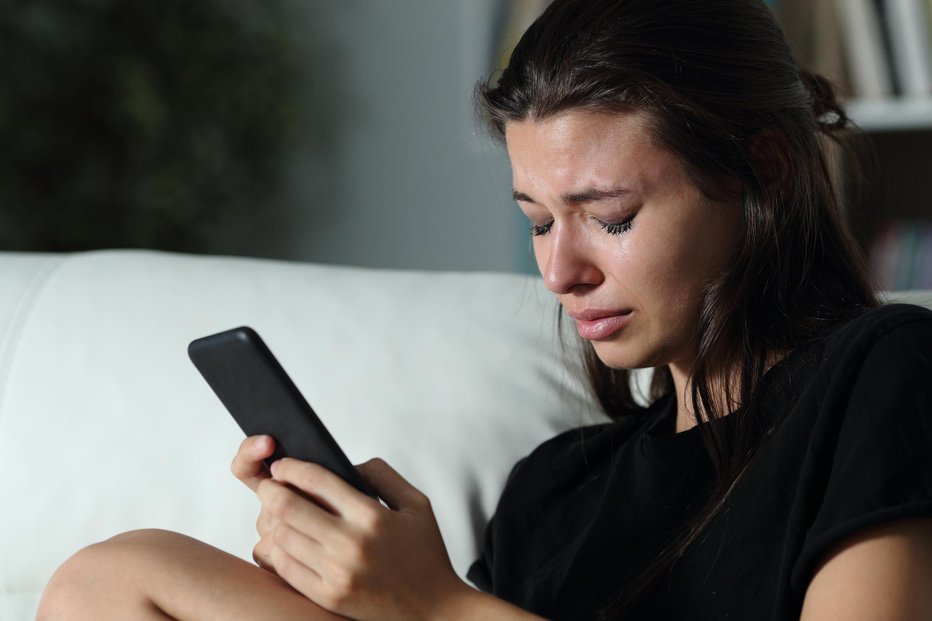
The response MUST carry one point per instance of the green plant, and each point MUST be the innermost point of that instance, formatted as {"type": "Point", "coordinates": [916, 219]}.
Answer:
{"type": "Point", "coordinates": [143, 124]}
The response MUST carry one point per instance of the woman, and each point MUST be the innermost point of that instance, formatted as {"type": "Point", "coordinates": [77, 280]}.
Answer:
{"type": "Point", "coordinates": [667, 155]}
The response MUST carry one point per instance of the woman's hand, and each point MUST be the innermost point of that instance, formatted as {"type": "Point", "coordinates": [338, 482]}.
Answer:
{"type": "Point", "coordinates": [363, 560]}
{"type": "Point", "coordinates": [347, 552]}
{"type": "Point", "coordinates": [248, 465]}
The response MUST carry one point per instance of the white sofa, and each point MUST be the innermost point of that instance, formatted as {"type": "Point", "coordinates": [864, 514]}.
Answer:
{"type": "Point", "coordinates": [106, 426]}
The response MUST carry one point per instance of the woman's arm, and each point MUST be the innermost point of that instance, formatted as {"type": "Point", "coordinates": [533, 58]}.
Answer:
{"type": "Point", "coordinates": [882, 574]}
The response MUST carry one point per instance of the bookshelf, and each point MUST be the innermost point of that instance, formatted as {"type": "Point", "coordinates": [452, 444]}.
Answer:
{"type": "Point", "coordinates": [888, 115]}
{"type": "Point", "coordinates": [892, 211]}
{"type": "Point", "coordinates": [879, 55]}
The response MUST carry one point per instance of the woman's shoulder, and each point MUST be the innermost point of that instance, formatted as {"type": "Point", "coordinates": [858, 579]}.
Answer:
{"type": "Point", "coordinates": [568, 448]}
{"type": "Point", "coordinates": [858, 353]}
{"type": "Point", "coordinates": [878, 322]}
{"type": "Point", "coordinates": [871, 372]}
{"type": "Point", "coordinates": [887, 333]}
{"type": "Point", "coordinates": [579, 452]}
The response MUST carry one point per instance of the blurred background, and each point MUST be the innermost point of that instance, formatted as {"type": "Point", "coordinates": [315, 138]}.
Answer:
{"type": "Point", "coordinates": [340, 132]}
{"type": "Point", "coordinates": [344, 131]}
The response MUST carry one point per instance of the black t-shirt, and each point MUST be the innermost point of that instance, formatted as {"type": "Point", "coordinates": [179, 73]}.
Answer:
{"type": "Point", "coordinates": [851, 447]}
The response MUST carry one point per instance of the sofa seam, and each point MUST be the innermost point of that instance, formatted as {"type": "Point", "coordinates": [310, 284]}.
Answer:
{"type": "Point", "coordinates": [27, 301]}
{"type": "Point", "coordinates": [10, 340]}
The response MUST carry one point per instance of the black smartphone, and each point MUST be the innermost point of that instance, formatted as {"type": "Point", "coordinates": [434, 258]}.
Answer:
{"type": "Point", "coordinates": [260, 396]}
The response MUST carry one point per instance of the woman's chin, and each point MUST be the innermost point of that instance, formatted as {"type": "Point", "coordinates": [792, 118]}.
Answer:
{"type": "Point", "coordinates": [616, 357]}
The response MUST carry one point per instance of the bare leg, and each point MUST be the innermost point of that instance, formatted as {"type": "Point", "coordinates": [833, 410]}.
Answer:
{"type": "Point", "coordinates": [154, 574]}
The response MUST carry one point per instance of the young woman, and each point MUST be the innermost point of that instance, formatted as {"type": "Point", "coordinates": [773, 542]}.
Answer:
{"type": "Point", "coordinates": [669, 156]}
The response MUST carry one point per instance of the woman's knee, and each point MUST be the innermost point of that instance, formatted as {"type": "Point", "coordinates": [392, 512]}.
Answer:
{"type": "Point", "coordinates": [102, 571]}
{"type": "Point", "coordinates": [67, 593]}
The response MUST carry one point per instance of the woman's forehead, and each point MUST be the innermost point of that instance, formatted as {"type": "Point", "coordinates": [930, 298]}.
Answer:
{"type": "Point", "coordinates": [586, 149]}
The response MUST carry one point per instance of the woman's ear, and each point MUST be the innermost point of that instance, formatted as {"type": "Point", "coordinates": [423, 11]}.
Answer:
{"type": "Point", "coordinates": [770, 159]}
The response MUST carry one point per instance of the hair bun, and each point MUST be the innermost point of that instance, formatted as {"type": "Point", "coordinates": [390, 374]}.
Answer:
{"type": "Point", "coordinates": [829, 113]}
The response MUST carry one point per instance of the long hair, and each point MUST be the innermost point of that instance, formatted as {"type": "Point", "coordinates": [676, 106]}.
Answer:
{"type": "Point", "coordinates": [724, 93]}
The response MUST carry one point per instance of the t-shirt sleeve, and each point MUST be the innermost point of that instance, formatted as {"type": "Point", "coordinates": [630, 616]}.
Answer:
{"type": "Point", "coordinates": [879, 453]}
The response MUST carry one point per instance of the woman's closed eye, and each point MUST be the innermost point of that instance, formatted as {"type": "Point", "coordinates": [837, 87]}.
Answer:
{"type": "Point", "coordinates": [541, 229]}
{"type": "Point", "coordinates": [612, 228]}
{"type": "Point", "coordinates": [616, 228]}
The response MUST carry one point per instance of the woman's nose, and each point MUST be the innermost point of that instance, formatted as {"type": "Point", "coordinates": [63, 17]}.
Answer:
{"type": "Point", "coordinates": [568, 263]}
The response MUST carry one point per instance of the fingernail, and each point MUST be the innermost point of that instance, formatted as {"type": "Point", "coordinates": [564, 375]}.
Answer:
{"type": "Point", "coordinates": [274, 467]}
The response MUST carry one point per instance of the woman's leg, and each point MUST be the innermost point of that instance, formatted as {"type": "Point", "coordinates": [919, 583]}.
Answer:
{"type": "Point", "coordinates": [154, 574]}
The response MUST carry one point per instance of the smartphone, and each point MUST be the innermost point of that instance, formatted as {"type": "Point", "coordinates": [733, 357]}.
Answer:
{"type": "Point", "coordinates": [260, 396]}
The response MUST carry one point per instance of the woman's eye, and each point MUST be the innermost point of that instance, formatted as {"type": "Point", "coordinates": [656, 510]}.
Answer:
{"type": "Point", "coordinates": [541, 229]}
{"type": "Point", "coordinates": [617, 228]}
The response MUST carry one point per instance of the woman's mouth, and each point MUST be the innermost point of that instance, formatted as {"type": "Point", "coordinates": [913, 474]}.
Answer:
{"type": "Point", "coordinates": [597, 325]}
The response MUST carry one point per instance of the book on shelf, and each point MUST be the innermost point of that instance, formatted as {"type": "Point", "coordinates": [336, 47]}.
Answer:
{"type": "Point", "coordinates": [901, 256]}
{"type": "Point", "coordinates": [813, 31]}
{"type": "Point", "coordinates": [887, 37]}
{"type": "Point", "coordinates": [929, 17]}
{"type": "Point", "coordinates": [888, 46]}
{"type": "Point", "coordinates": [910, 49]}
{"type": "Point", "coordinates": [864, 48]}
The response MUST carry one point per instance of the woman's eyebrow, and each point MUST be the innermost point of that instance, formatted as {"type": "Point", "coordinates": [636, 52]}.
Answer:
{"type": "Point", "coordinates": [521, 196]}
{"type": "Point", "coordinates": [593, 195]}
{"type": "Point", "coordinates": [575, 198]}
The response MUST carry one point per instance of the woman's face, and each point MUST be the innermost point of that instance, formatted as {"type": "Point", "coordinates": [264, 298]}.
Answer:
{"type": "Point", "coordinates": [621, 236]}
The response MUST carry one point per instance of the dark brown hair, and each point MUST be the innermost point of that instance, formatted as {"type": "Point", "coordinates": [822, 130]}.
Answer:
{"type": "Point", "coordinates": [724, 93]}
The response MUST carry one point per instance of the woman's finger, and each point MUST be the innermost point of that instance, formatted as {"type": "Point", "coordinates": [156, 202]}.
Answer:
{"type": "Point", "coordinates": [286, 541]}
{"type": "Point", "coordinates": [307, 551]}
{"type": "Point", "coordinates": [264, 523]}
{"type": "Point", "coordinates": [282, 504]}
{"type": "Point", "coordinates": [391, 487]}
{"type": "Point", "coordinates": [322, 486]}
{"type": "Point", "coordinates": [248, 465]}
{"type": "Point", "coordinates": [302, 578]}
{"type": "Point", "coordinates": [260, 554]}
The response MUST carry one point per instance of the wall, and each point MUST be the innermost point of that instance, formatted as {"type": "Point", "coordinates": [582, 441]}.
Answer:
{"type": "Point", "coordinates": [407, 179]}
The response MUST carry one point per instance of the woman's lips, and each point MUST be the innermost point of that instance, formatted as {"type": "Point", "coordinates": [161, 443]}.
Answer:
{"type": "Point", "coordinates": [599, 325]}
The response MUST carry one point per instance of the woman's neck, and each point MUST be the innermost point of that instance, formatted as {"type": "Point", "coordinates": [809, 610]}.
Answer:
{"type": "Point", "coordinates": [682, 386]}
{"type": "Point", "coordinates": [686, 418]}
